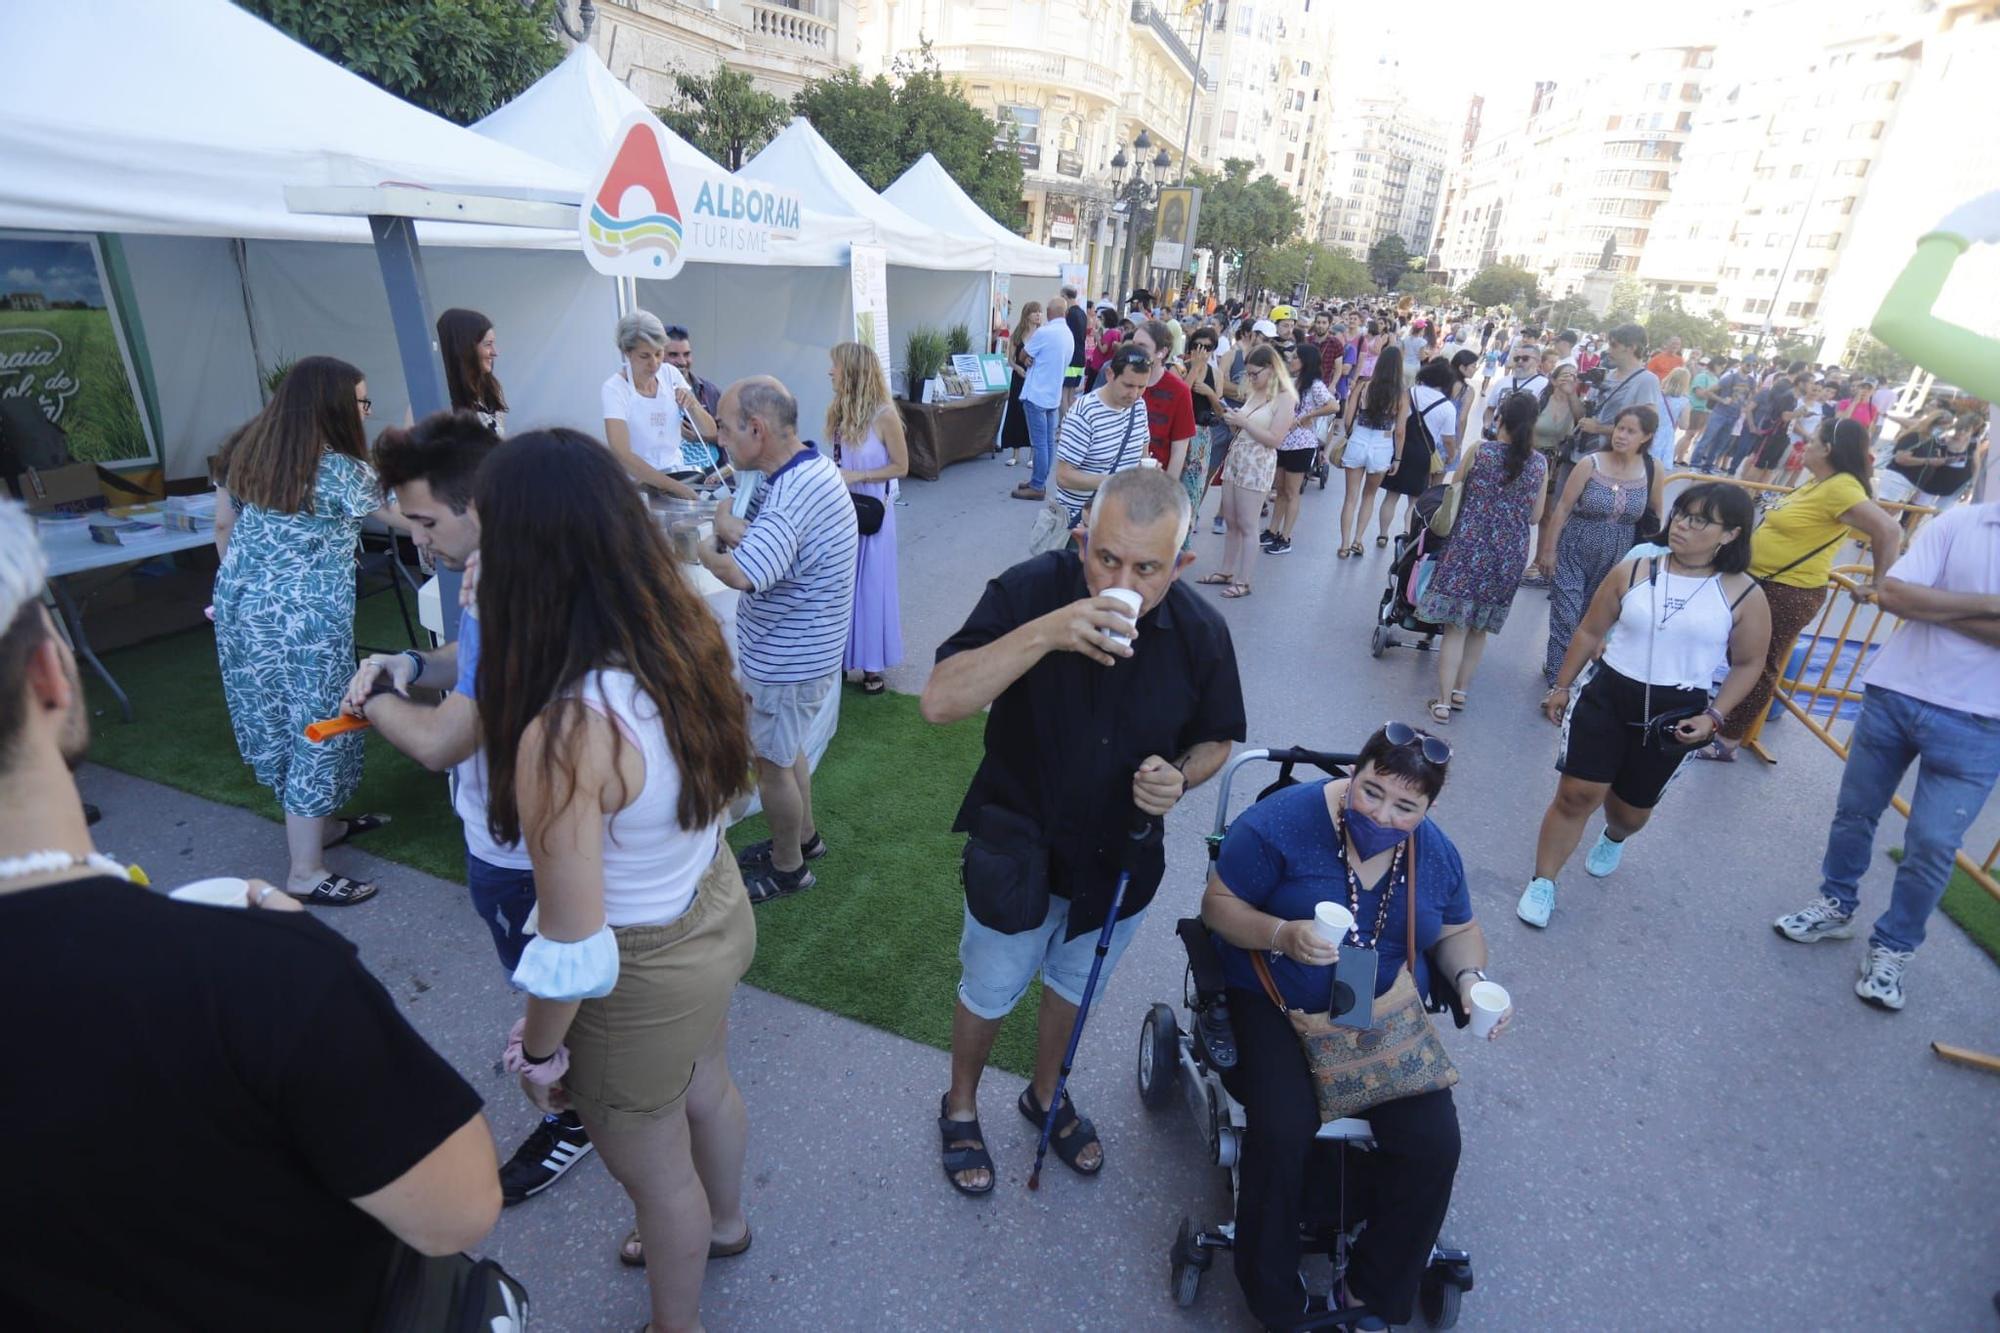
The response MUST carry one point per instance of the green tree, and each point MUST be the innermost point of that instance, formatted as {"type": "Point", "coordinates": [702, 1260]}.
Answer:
{"type": "Point", "coordinates": [724, 114]}
{"type": "Point", "coordinates": [1388, 260]}
{"type": "Point", "coordinates": [1706, 332]}
{"type": "Point", "coordinates": [1870, 356]}
{"type": "Point", "coordinates": [1572, 312]}
{"type": "Point", "coordinates": [1502, 284]}
{"type": "Point", "coordinates": [1627, 296]}
{"type": "Point", "coordinates": [458, 58]}
{"type": "Point", "coordinates": [881, 126]}
{"type": "Point", "coordinates": [1244, 220]}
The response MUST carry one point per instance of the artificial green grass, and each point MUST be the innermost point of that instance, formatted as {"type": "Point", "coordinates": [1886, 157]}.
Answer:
{"type": "Point", "coordinates": [876, 939]}
{"type": "Point", "coordinates": [1976, 911]}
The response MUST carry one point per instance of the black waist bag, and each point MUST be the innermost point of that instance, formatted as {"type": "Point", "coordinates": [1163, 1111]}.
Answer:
{"type": "Point", "coordinates": [1005, 868]}
{"type": "Point", "coordinates": [452, 1293]}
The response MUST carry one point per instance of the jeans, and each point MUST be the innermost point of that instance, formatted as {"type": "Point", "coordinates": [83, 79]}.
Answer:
{"type": "Point", "coordinates": [1715, 437]}
{"type": "Point", "coordinates": [503, 898]}
{"type": "Point", "coordinates": [1959, 759]}
{"type": "Point", "coordinates": [1042, 435]}
{"type": "Point", "coordinates": [995, 969]}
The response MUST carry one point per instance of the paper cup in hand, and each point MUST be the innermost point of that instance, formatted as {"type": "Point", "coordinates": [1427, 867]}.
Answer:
{"type": "Point", "coordinates": [1131, 602]}
{"type": "Point", "coordinates": [222, 892]}
{"type": "Point", "coordinates": [1333, 921]}
{"type": "Point", "coordinates": [1487, 1000]}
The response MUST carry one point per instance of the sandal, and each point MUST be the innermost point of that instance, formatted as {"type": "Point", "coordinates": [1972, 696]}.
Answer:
{"type": "Point", "coordinates": [1440, 711]}
{"type": "Point", "coordinates": [633, 1254]}
{"type": "Point", "coordinates": [814, 848]}
{"type": "Point", "coordinates": [1236, 590]}
{"type": "Point", "coordinates": [970, 1153]}
{"type": "Point", "coordinates": [1719, 750]}
{"type": "Point", "coordinates": [1379, 542]}
{"type": "Point", "coordinates": [766, 883]}
{"type": "Point", "coordinates": [1069, 1135]}
{"type": "Point", "coordinates": [337, 891]}
{"type": "Point", "coordinates": [1458, 701]}
{"type": "Point", "coordinates": [1216, 580]}
{"type": "Point", "coordinates": [356, 826]}
{"type": "Point", "coordinates": [872, 683]}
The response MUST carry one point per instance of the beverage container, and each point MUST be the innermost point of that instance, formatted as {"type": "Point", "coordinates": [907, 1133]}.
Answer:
{"type": "Point", "coordinates": [1487, 1001]}
{"type": "Point", "coordinates": [1131, 601]}
{"type": "Point", "coordinates": [224, 891]}
{"type": "Point", "coordinates": [1333, 921]}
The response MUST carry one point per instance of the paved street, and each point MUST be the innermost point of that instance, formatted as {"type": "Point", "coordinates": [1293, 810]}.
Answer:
{"type": "Point", "coordinates": [1694, 1122]}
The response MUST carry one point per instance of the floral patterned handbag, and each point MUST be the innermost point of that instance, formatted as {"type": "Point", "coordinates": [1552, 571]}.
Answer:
{"type": "Point", "coordinates": [1401, 1056]}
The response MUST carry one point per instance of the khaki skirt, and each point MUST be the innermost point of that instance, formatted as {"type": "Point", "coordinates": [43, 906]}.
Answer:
{"type": "Point", "coordinates": [632, 1053]}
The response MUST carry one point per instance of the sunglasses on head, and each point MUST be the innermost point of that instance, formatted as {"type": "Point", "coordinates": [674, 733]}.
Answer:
{"type": "Point", "coordinates": [1400, 734]}
{"type": "Point", "coordinates": [1132, 360]}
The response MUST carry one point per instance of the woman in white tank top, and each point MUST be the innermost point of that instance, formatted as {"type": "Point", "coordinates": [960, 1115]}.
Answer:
{"type": "Point", "coordinates": [1632, 713]}
{"type": "Point", "coordinates": [616, 740]}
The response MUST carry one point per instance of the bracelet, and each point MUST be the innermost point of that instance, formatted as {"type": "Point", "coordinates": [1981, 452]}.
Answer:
{"type": "Point", "coordinates": [1461, 972]}
{"type": "Point", "coordinates": [1557, 689]}
{"type": "Point", "coordinates": [546, 1072]}
{"type": "Point", "coordinates": [1714, 716]}
{"type": "Point", "coordinates": [1275, 932]}
{"type": "Point", "coordinates": [416, 660]}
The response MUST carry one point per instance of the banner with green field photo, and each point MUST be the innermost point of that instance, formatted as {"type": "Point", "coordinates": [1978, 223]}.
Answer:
{"type": "Point", "coordinates": [67, 391]}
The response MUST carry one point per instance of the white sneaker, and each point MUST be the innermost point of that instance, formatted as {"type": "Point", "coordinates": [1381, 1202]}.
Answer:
{"type": "Point", "coordinates": [1821, 919]}
{"type": "Point", "coordinates": [1537, 902]}
{"type": "Point", "coordinates": [1882, 977]}
{"type": "Point", "coordinates": [1604, 857]}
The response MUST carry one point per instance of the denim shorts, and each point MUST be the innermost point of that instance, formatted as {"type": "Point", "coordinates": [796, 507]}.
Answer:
{"type": "Point", "coordinates": [995, 969]}
{"type": "Point", "coordinates": [503, 898]}
{"type": "Point", "coordinates": [781, 716]}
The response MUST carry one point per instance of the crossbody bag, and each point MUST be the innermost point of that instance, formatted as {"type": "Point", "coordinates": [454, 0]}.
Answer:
{"type": "Point", "coordinates": [1055, 520]}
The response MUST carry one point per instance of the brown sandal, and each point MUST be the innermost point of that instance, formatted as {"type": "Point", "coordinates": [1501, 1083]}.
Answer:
{"type": "Point", "coordinates": [1236, 590]}
{"type": "Point", "coordinates": [1216, 580]}
{"type": "Point", "coordinates": [633, 1255]}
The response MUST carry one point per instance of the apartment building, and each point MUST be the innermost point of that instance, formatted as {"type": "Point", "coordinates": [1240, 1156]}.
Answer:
{"type": "Point", "coordinates": [782, 44]}
{"type": "Point", "coordinates": [1385, 171]}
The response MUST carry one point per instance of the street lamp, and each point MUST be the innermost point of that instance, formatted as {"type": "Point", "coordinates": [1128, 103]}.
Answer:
{"type": "Point", "coordinates": [1137, 197]}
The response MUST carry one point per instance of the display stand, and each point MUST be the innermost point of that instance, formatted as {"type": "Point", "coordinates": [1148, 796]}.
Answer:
{"type": "Point", "coordinates": [941, 434]}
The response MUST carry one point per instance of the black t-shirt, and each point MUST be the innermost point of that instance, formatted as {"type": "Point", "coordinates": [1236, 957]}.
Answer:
{"type": "Point", "coordinates": [198, 1092]}
{"type": "Point", "coordinates": [1063, 741]}
{"type": "Point", "coordinates": [1079, 332]}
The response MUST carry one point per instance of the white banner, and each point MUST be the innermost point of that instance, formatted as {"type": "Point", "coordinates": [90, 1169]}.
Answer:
{"type": "Point", "coordinates": [644, 216]}
{"type": "Point", "coordinates": [869, 265]}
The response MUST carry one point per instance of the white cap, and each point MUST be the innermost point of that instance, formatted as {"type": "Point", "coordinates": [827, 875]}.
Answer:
{"type": "Point", "coordinates": [1265, 327]}
{"type": "Point", "coordinates": [24, 569]}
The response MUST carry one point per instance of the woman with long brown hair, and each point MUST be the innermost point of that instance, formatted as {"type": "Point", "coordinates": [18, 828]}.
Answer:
{"type": "Point", "coordinates": [293, 486]}
{"type": "Point", "coordinates": [1014, 429]}
{"type": "Point", "coordinates": [868, 445]}
{"type": "Point", "coordinates": [469, 349]}
{"type": "Point", "coordinates": [615, 739]}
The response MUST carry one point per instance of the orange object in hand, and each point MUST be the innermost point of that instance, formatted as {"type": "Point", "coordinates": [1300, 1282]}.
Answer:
{"type": "Point", "coordinates": [334, 726]}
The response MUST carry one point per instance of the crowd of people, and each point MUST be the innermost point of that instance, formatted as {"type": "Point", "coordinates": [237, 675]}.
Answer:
{"type": "Point", "coordinates": [601, 729]}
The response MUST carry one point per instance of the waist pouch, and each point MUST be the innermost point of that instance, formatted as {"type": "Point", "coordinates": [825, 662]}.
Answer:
{"type": "Point", "coordinates": [1005, 869]}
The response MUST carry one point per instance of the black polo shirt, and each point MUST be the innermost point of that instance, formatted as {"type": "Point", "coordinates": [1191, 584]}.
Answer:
{"type": "Point", "coordinates": [1063, 741]}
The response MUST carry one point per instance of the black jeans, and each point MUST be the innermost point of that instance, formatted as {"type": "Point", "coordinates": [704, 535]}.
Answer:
{"type": "Point", "coordinates": [1403, 1188]}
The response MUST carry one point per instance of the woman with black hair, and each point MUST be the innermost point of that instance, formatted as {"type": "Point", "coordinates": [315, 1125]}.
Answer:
{"type": "Point", "coordinates": [1630, 717]}
{"type": "Point", "coordinates": [1430, 441]}
{"type": "Point", "coordinates": [1792, 552]}
{"type": "Point", "coordinates": [1296, 450]}
{"type": "Point", "coordinates": [468, 348]}
{"type": "Point", "coordinates": [1595, 521]}
{"type": "Point", "coordinates": [1366, 842]}
{"type": "Point", "coordinates": [1374, 425]}
{"type": "Point", "coordinates": [1505, 484]}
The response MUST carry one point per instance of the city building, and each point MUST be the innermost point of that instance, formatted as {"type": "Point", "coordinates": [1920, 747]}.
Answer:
{"type": "Point", "coordinates": [782, 44]}
{"type": "Point", "coordinates": [1385, 169]}
{"type": "Point", "coordinates": [1454, 184]}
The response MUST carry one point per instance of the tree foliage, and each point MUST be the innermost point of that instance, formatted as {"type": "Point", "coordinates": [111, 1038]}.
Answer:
{"type": "Point", "coordinates": [1502, 284]}
{"type": "Point", "coordinates": [1707, 332]}
{"type": "Point", "coordinates": [1244, 220]}
{"type": "Point", "coordinates": [1628, 299]}
{"type": "Point", "coordinates": [881, 126]}
{"type": "Point", "coordinates": [1389, 260]}
{"type": "Point", "coordinates": [723, 114]}
{"type": "Point", "coordinates": [1572, 312]}
{"type": "Point", "coordinates": [458, 58]}
{"type": "Point", "coordinates": [1870, 356]}
{"type": "Point", "coordinates": [1326, 272]}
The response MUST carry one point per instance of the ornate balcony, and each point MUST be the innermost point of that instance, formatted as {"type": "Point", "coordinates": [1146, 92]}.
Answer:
{"type": "Point", "coordinates": [785, 28]}
{"type": "Point", "coordinates": [1024, 64]}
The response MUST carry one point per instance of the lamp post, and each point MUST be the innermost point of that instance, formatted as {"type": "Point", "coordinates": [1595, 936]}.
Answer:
{"type": "Point", "coordinates": [586, 17]}
{"type": "Point", "coordinates": [1136, 198]}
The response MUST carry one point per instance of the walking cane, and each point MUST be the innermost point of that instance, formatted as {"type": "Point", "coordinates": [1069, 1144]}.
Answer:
{"type": "Point", "coordinates": [1135, 839]}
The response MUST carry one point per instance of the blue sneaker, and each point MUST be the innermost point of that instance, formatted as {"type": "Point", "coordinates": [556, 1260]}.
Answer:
{"type": "Point", "coordinates": [1537, 902]}
{"type": "Point", "coordinates": [1604, 857]}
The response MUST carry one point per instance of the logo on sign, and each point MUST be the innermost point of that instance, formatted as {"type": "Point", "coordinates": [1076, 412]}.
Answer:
{"type": "Point", "coordinates": [26, 356]}
{"type": "Point", "coordinates": [633, 213]}
{"type": "Point", "coordinates": [655, 205]}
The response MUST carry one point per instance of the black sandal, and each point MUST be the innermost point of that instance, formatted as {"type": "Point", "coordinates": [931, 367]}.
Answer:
{"type": "Point", "coordinates": [356, 826]}
{"type": "Point", "coordinates": [766, 883]}
{"type": "Point", "coordinates": [1067, 1142]}
{"type": "Point", "coordinates": [337, 891]}
{"type": "Point", "coordinates": [871, 683]}
{"type": "Point", "coordinates": [964, 1158]}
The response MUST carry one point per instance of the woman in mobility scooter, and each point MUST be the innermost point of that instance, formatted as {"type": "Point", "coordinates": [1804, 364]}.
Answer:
{"type": "Point", "coordinates": [1346, 841]}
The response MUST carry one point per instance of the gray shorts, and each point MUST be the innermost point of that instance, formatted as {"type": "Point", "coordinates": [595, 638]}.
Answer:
{"type": "Point", "coordinates": [781, 716]}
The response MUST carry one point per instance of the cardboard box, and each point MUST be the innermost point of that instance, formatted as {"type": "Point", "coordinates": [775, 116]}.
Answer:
{"type": "Point", "coordinates": [69, 489]}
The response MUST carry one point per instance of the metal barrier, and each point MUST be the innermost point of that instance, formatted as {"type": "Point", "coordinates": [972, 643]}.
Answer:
{"type": "Point", "coordinates": [1800, 689]}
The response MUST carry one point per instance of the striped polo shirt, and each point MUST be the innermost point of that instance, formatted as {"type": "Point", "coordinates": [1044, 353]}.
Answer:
{"type": "Point", "coordinates": [799, 554]}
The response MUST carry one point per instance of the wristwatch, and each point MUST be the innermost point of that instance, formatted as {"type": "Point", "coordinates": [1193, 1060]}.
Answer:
{"type": "Point", "coordinates": [1457, 976]}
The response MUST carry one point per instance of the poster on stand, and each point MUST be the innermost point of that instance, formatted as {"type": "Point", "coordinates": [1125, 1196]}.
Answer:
{"type": "Point", "coordinates": [1074, 275]}
{"type": "Point", "coordinates": [1003, 308]}
{"type": "Point", "coordinates": [868, 267]}
{"type": "Point", "coordinates": [1179, 216]}
{"type": "Point", "coordinates": [67, 387]}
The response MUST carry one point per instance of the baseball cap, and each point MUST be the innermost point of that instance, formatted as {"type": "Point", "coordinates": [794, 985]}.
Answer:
{"type": "Point", "coordinates": [24, 569]}
{"type": "Point", "coordinates": [1266, 327]}
{"type": "Point", "coordinates": [1282, 312]}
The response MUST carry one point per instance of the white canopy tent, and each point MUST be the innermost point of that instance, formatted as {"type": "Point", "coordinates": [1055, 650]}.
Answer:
{"type": "Point", "coordinates": [936, 277]}
{"type": "Point", "coordinates": [928, 193]}
{"type": "Point", "coordinates": [776, 316]}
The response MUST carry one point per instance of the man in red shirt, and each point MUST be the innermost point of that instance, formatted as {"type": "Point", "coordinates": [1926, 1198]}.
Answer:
{"type": "Point", "coordinates": [1169, 402]}
{"type": "Point", "coordinates": [1667, 360]}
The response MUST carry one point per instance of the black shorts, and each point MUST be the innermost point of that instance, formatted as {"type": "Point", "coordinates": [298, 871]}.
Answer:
{"type": "Point", "coordinates": [1771, 452]}
{"type": "Point", "coordinates": [1298, 461]}
{"type": "Point", "coordinates": [1603, 736]}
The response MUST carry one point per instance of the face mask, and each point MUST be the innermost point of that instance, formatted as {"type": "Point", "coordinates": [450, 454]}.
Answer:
{"type": "Point", "coordinates": [1370, 838]}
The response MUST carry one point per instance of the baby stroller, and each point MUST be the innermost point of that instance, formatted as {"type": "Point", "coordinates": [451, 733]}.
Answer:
{"type": "Point", "coordinates": [1416, 548]}
{"type": "Point", "coordinates": [1171, 1057]}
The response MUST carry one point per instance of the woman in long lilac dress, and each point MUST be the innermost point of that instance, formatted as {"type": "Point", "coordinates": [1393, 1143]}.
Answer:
{"type": "Point", "coordinates": [868, 445]}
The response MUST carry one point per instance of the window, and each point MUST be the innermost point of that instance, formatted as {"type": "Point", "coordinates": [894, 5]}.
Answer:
{"type": "Point", "coordinates": [1229, 124]}
{"type": "Point", "coordinates": [1825, 240]}
{"type": "Point", "coordinates": [1865, 129]}
{"type": "Point", "coordinates": [1027, 123]}
{"type": "Point", "coordinates": [1798, 170]}
{"type": "Point", "coordinates": [1809, 136]}
{"type": "Point", "coordinates": [1772, 240]}
{"type": "Point", "coordinates": [1305, 68]}
{"type": "Point", "coordinates": [1851, 166]}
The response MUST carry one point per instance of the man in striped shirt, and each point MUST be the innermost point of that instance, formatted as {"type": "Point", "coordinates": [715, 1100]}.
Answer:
{"type": "Point", "coordinates": [793, 561]}
{"type": "Point", "coordinates": [1105, 432]}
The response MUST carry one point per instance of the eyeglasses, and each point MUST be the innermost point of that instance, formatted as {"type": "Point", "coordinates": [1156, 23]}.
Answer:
{"type": "Point", "coordinates": [1400, 734]}
{"type": "Point", "coordinates": [1524, 358]}
{"type": "Point", "coordinates": [367, 405]}
{"type": "Point", "coordinates": [1693, 522]}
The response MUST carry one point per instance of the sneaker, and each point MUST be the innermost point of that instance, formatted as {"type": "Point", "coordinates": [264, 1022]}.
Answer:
{"type": "Point", "coordinates": [1216, 527]}
{"type": "Point", "coordinates": [1822, 919]}
{"type": "Point", "coordinates": [1881, 981]}
{"type": "Point", "coordinates": [761, 851]}
{"type": "Point", "coordinates": [1279, 546]}
{"type": "Point", "coordinates": [1604, 857]}
{"type": "Point", "coordinates": [1266, 537]}
{"type": "Point", "coordinates": [544, 1157]}
{"type": "Point", "coordinates": [1537, 902]}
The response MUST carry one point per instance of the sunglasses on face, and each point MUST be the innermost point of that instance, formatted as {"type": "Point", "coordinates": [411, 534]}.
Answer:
{"type": "Point", "coordinates": [1400, 734]}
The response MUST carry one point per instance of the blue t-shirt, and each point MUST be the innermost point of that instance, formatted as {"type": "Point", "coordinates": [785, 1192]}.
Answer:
{"type": "Point", "coordinates": [1283, 856]}
{"type": "Point", "coordinates": [468, 653]}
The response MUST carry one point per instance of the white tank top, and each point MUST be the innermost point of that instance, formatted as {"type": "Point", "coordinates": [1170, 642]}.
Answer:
{"type": "Point", "coordinates": [652, 865]}
{"type": "Point", "coordinates": [1672, 630]}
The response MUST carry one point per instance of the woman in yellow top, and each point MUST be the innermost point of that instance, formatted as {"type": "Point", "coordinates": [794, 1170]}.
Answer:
{"type": "Point", "coordinates": [1792, 553]}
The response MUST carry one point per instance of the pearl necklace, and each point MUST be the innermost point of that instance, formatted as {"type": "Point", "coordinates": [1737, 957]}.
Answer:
{"type": "Point", "coordinates": [47, 862]}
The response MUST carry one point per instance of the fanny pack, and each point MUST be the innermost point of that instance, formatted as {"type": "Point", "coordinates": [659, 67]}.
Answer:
{"type": "Point", "coordinates": [1005, 870]}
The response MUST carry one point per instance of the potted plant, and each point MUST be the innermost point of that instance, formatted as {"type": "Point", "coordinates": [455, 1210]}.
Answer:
{"type": "Point", "coordinates": [924, 357]}
{"type": "Point", "coordinates": [959, 341]}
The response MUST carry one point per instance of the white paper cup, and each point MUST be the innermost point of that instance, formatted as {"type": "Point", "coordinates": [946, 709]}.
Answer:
{"type": "Point", "coordinates": [225, 891]}
{"type": "Point", "coordinates": [1333, 921]}
{"type": "Point", "coordinates": [1487, 1000]}
{"type": "Point", "coordinates": [1132, 602]}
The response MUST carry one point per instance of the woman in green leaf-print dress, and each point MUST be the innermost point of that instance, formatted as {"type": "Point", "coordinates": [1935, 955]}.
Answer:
{"type": "Point", "coordinates": [295, 485]}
